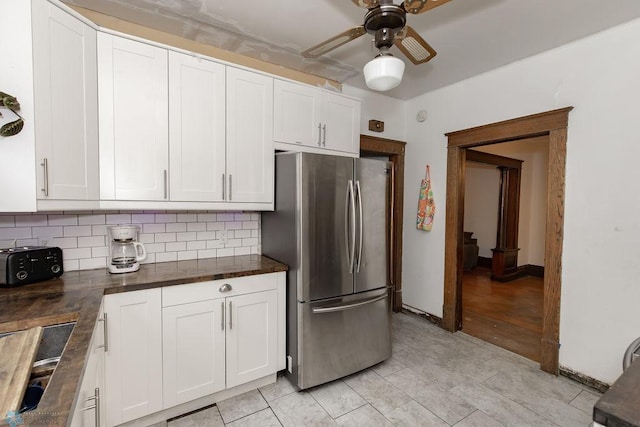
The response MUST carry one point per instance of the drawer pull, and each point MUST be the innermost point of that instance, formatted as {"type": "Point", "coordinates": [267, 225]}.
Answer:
{"type": "Point", "coordinates": [225, 288]}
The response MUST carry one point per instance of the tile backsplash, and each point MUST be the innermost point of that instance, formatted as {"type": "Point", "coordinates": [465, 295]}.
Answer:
{"type": "Point", "coordinates": [167, 236]}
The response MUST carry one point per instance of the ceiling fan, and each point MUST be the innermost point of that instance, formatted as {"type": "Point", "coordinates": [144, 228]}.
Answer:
{"type": "Point", "coordinates": [386, 21]}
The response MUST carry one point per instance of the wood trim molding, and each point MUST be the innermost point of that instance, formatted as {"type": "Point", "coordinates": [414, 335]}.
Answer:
{"type": "Point", "coordinates": [395, 151]}
{"type": "Point", "coordinates": [509, 130]}
{"type": "Point", "coordinates": [554, 125]}
{"type": "Point", "coordinates": [493, 159]}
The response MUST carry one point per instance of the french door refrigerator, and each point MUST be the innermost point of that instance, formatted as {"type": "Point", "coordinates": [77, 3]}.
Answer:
{"type": "Point", "coordinates": [330, 227]}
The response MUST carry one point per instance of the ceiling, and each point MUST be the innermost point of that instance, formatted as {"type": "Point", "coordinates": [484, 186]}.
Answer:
{"type": "Point", "coordinates": [470, 36]}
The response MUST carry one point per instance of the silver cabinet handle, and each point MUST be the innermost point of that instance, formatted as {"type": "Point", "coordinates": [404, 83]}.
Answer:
{"type": "Point", "coordinates": [360, 236]}
{"type": "Point", "coordinates": [96, 406]}
{"type": "Point", "coordinates": [166, 184]}
{"type": "Point", "coordinates": [224, 185]}
{"type": "Point", "coordinates": [105, 329]}
{"type": "Point", "coordinates": [222, 317]}
{"type": "Point", "coordinates": [230, 315]}
{"type": "Point", "coordinates": [230, 186]}
{"type": "Point", "coordinates": [45, 166]}
{"type": "Point", "coordinates": [324, 135]}
{"type": "Point", "coordinates": [225, 288]}
{"type": "Point", "coordinates": [319, 134]}
{"type": "Point", "coordinates": [335, 308]}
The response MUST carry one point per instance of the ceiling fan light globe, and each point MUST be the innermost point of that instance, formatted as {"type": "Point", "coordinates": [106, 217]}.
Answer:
{"type": "Point", "coordinates": [383, 73]}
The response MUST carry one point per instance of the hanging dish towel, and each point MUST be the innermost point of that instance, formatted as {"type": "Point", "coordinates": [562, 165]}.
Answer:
{"type": "Point", "coordinates": [426, 204]}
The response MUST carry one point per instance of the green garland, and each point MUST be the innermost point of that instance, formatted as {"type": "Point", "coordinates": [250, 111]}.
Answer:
{"type": "Point", "coordinates": [11, 128]}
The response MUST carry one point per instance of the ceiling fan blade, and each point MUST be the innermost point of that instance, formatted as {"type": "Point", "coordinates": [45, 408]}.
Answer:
{"type": "Point", "coordinates": [334, 42]}
{"type": "Point", "coordinates": [366, 3]}
{"type": "Point", "coordinates": [413, 46]}
{"type": "Point", "coordinates": [420, 6]}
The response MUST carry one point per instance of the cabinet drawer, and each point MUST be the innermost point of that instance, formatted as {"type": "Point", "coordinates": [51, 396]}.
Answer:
{"type": "Point", "coordinates": [201, 291]}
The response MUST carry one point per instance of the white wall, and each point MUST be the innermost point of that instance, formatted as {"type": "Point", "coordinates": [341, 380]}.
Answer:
{"type": "Point", "coordinates": [17, 153]}
{"type": "Point", "coordinates": [481, 203]}
{"type": "Point", "coordinates": [378, 106]}
{"type": "Point", "coordinates": [597, 75]}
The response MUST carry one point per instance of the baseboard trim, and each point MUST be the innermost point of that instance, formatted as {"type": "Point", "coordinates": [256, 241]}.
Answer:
{"type": "Point", "coordinates": [407, 309]}
{"type": "Point", "coordinates": [583, 379]}
{"type": "Point", "coordinates": [531, 271]}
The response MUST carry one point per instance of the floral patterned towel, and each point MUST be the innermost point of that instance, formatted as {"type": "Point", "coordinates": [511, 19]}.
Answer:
{"type": "Point", "coordinates": [426, 204]}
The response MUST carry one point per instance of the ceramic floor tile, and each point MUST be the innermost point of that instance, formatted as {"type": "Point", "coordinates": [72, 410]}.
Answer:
{"type": "Point", "coordinates": [365, 416]}
{"type": "Point", "coordinates": [264, 418]}
{"type": "Point", "coordinates": [300, 409]}
{"type": "Point", "coordinates": [380, 393]}
{"type": "Point", "coordinates": [280, 388]}
{"type": "Point", "coordinates": [241, 406]}
{"type": "Point", "coordinates": [496, 406]}
{"type": "Point", "coordinates": [206, 417]}
{"type": "Point", "coordinates": [522, 384]}
{"type": "Point", "coordinates": [479, 419]}
{"type": "Point", "coordinates": [388, 367]}
{"type": "Point", "coordinates": [432, 395]}
{"type": "Point", "coordinates": [414, 414]}
{"type": "Point", "coordinates": [585, 401]}
{"type": "Point", "coordinates": [558, 412]}
{"type": "Point", "coordinates": [337, 398]}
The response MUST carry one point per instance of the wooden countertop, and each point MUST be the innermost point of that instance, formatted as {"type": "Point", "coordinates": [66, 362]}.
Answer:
{"type": "Point", "coordinates": [620, 405]}
{"type": "Point", "coordinates": [76, 297]}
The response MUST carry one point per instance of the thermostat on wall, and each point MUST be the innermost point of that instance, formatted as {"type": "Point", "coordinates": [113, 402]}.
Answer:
{"type": "Point", "coordinates": [421, 116]}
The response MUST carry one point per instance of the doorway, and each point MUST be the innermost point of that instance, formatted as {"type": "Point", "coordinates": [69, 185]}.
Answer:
{"type": "Point", "coordinates": [394, 151]}
{"type": "Point", "coordinates": [504, 224]}
{"type": "Point", "coordinates": [554, 125]}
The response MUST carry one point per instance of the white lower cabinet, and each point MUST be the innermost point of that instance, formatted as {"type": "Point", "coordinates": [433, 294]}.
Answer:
{"type": "Point", "coordinates": [90, 408]}
{"type": "Point", "coordinates": [169, 346]}
{"type": "Point", "coordinates": [211, 343]}
{"type": "Point", "coordinates": [193, 350]}
{"type": "Point", "coordinates": [133, 360]}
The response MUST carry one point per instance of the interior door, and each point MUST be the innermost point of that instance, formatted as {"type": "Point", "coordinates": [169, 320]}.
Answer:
{"type": "Point", "coordinates": [372, 251]}
{"type": "Point", "coordinates": [327, 226]}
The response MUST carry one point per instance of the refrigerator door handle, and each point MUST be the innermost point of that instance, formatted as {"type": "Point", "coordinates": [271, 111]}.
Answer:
{"type": "Point", "coordinates": [350, 206]}
{"type": "Point", "coordinates": [360, 221]}
{"type": "Point", "coordinates": [332, 309]}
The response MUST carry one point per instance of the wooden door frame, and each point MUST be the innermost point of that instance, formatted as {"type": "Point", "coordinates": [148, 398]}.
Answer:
{"type": "Point", "coordinates": [553, 124]}
{"type": "Point", "coordinates": [395, 151]}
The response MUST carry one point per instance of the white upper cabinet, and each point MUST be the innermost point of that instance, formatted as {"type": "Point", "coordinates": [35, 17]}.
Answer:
{"type": "Point", "coordinates": [250, 151]}
{"type": "Point", "coordinates": [296, 114]}
{"type": "Point", "coordinates": [341, 127]}
{"type": "Point", "coordinates": [196, 128]}
{"type": "Point", "coordinates": [133, 105]}
{"type": "Point", "coordinates": [66, 105]}
{"type": "Point", "coordinates": [315, 120]}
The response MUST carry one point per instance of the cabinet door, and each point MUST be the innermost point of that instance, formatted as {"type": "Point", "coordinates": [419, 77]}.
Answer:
{"type": "Point", "coordinates": [84, 413]}
{"type": "Point", "coordinates": [296, 114]}
{"type": "Point", "coordinates": [193, 351]}
{"type": "Point", "coordinates": [133, 105]}
{"type": "Point", "coordinates": [66, 106]}
{"type": "Point", "coordinates": [252, 336]}
{"type": "Point", "coordinates": [133, 361]}
{"type": "Point", "coordinates": [341, 128]}
{"type": "Point", "coordinates": [196, 128]}
{"type": "Point", "coordinates": [250, 152]}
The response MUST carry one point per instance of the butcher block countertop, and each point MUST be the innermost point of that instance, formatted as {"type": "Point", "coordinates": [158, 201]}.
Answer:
{"type": "Point", "coordinates": [76, 297]}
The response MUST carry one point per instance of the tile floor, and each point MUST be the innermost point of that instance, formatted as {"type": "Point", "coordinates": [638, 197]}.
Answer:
{"type": "Point", "coordinates": [434, 378]}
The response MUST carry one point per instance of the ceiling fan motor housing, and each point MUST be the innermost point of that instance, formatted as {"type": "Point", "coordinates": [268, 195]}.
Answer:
{"type": "Point", "coordinates": [384, 21]}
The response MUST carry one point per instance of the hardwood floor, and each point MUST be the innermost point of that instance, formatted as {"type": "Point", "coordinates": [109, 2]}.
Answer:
{"type": "Point", "coordinates": [508, 315]}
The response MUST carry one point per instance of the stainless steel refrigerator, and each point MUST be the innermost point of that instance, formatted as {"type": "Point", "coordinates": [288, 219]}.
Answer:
{"type": "Point", "coordinates": [330, 228]}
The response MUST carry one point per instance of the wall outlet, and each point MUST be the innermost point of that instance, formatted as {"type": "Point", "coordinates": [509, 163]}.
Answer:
{"type": "Point", "coordinates": [289, 364]}
{"type": "Point", "coordinates": [44, 241]}
{"type": "Point", "coordinates": [222, 235]}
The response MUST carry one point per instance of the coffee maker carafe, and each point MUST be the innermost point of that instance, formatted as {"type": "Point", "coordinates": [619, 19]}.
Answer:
{"type": "Point", "coordinates": [125, 252]}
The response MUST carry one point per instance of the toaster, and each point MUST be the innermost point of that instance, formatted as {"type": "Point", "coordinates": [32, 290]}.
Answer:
{"type": "Point", "coordinates": [29, 264]}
